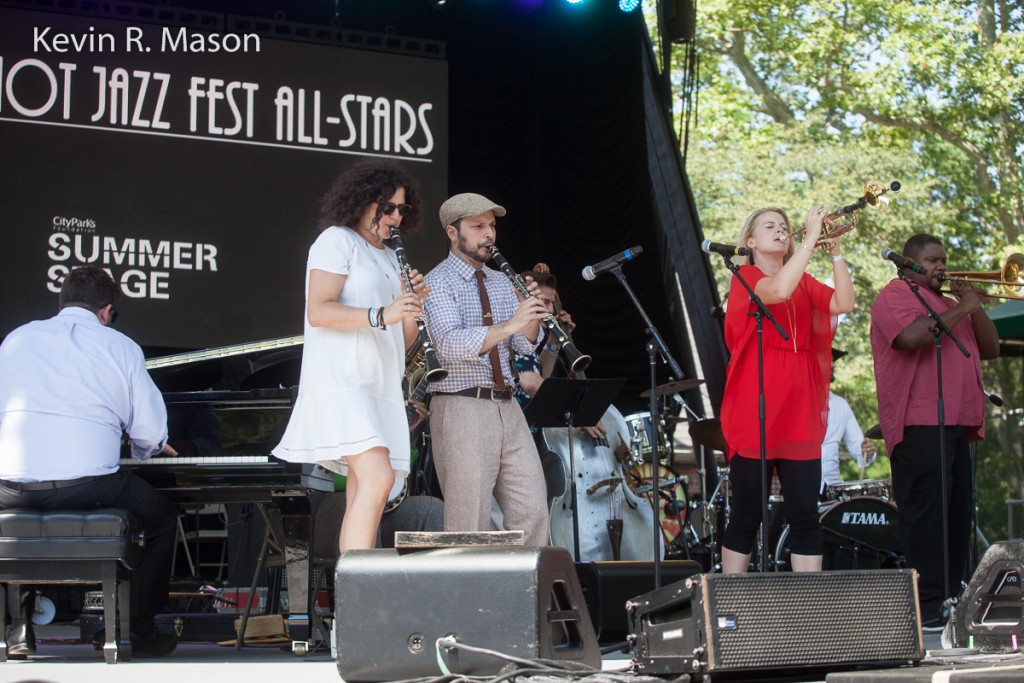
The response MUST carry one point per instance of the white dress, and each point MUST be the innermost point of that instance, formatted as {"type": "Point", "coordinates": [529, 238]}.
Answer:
{"type": "Point", "coordinates": [350, 391]}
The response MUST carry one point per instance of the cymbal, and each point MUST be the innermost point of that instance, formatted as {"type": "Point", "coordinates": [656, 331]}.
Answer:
{"type": "Point", "coordinates": [676, 387]}
{"type": "Point", "coordinates": [708, 433]}
{"type": "Point", "coordinates": [874, 433]}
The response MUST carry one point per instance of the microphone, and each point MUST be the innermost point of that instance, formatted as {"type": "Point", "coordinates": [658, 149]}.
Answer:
{"type": "Point", "coordinates": [590, 272]}
{"type": "Point", "coordinates": [902, 262]}
{"type": "Point", "coordinates": [995, 399]}
{"type": "Point", "coordinates": [708, 247]}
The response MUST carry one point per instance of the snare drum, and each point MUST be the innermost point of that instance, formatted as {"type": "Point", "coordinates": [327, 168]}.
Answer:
{"type": "Point", "coordinates": [859, 533]}
{"type": "Point", "coordinates": [872, 488]}
{"type": "Point", "coordinates": [639, 425]}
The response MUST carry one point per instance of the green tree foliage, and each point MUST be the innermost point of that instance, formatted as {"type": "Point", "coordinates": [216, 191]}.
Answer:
{"type": "Point", "coordinates": [804, 102]}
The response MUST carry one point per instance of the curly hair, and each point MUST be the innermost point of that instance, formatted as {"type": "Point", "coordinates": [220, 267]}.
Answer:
{"type": "Point", "coordinates": [88, 287]}
{"type": "Point", "coordinates": [362, 184]}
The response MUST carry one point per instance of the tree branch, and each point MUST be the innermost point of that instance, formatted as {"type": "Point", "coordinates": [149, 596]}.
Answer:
{"type": "Point", "coordinates": [736, 51]}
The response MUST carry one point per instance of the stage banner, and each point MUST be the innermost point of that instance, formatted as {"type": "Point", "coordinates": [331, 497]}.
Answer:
{"type": "Point", "coordinates": [190, 164]}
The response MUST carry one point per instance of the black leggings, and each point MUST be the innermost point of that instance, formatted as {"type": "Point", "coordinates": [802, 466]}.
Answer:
{"type": "Point", "coordinates": [800, 480]}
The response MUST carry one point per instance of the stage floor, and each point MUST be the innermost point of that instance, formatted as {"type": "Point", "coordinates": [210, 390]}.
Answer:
{"type": "Point", "coordinates": [63, 659]}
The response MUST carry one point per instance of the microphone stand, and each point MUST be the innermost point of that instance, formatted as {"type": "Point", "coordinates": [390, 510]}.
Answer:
{"type": "Point", "coordinates": [937, 330]}
{"type": "Point", "coordinates": [759, 313]}
{"type": "Point", "coordinates": [655, 345]}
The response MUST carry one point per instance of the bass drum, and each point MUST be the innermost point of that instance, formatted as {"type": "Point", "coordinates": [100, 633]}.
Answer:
{"type": "Point", "coordinates": [602, 495]}
{"type": "Point", "coordinates": [859, 533]}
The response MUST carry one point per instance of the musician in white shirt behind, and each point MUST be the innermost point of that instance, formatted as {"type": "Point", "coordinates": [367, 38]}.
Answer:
{"type": "Point", "coordinates": [69, 387]}
{"type": "Point", "coordinates": [842, 427]}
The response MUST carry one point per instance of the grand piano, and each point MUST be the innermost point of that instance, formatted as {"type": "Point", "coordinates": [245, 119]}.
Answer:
{"type": "Point", "coordinates": [227, 408]}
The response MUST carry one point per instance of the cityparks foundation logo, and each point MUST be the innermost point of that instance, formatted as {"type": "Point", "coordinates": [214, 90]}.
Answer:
{"type": "Point", "coordinates": [73, 224]}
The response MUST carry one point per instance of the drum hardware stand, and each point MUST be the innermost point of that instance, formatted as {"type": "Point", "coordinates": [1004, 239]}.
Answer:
{"type": "Point", "coordinates": [572, 403]}
{"type": "Point", "coordinates": [856, 545]}
{"type": "Point", "coordinates": [655, 346]}
{"type": "Point", "coordinates": [937, 330]}
{"type": "Point", "coordinates": [759, 313]}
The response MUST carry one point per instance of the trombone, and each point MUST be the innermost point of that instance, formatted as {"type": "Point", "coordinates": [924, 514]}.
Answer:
{"type": "Point", "coordinates": [1010, 277]}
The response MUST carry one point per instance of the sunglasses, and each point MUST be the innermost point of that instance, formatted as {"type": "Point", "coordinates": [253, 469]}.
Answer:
{"type": "Point", "coordinates": [387, 207]}
{"type": "Point", "coordinates": [113, 316]}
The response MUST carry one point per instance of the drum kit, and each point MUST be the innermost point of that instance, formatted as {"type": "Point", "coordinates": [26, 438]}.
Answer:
{"type": "Point", "coordinates": [859, 519]}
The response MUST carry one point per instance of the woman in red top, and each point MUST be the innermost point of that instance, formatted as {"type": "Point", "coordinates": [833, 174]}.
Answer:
{"type": "Point", "coordinates": [796, 379]}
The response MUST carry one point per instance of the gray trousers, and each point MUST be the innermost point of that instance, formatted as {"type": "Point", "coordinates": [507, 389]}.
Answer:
{"type": "Point", "coordinates": [482, 449]}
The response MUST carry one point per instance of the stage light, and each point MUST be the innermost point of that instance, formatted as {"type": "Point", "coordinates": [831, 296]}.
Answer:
{"type": "Point", "coordinates": [574, 2]}
{"type": "Point", "coordinates": [628, 5]}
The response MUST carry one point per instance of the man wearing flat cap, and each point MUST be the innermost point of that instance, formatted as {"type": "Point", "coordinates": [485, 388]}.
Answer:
{"type": "Point", "coordinates": [482, 445]}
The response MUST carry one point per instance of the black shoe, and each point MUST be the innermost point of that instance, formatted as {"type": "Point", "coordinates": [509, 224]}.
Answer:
{"type": "Point", "coordinates": [21, 643]}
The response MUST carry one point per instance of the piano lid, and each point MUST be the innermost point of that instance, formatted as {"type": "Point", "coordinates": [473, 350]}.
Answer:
{"type": "Point", "coordinates": [263, 364]}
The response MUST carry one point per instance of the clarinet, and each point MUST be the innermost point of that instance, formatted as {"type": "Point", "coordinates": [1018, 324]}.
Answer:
{"type": "Point", "coordinates": [434, 371]}
{"type": "Point", "coordinates": [578, 361]}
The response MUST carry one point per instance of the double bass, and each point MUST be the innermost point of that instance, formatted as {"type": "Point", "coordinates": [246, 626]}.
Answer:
{"type": "Point", "coordinates": [614, 523]}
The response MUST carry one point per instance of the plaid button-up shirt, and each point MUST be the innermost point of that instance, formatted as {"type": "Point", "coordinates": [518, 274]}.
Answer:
{"type": "Point", "coordinates": [457, 329]}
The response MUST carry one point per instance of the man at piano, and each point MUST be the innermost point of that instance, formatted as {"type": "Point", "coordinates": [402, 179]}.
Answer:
{"type": "Point", "coordinates": [69, 387]}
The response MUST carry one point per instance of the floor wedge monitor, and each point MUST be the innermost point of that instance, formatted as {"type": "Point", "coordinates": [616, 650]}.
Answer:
{"type": "Point", "coordinates": [756, 622]}
{"type": "Point", "coordinates": [990, 614]}
{"type": "Point", "coordinates": [391, 611]}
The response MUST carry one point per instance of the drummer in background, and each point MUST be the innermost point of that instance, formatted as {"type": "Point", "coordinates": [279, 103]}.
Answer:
{"type": "Point", "coordinates": [842, 426]}
{"type": "Point", "coordinates": [796, 378]}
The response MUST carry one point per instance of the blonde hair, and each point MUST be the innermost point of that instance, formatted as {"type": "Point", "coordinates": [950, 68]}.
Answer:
{"type": "Point", "coordinates": [748, 230]}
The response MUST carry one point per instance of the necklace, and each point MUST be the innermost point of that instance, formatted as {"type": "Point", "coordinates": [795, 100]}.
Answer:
{"type": "Point", "coordinates": [792, 321]}
{"type": "Point", "coordinates": [384, 265]}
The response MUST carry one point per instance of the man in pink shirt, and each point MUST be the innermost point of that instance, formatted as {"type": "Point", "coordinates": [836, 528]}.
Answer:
{"type": "Point", "coordinates": [906, 382]}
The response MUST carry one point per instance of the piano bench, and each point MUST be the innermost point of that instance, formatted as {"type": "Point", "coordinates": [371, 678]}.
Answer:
{"type": "Point", "coordinates": [74, 546]}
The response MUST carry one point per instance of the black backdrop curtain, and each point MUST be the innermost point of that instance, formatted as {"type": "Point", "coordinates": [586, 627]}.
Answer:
{"type": "Point", "coordinates": [547, 119]}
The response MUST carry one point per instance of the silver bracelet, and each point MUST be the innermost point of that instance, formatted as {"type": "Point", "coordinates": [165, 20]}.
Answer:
{"type": "Point", "coordinates": [837, 258]}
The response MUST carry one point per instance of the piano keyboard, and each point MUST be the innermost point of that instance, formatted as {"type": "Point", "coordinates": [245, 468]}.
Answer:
{"type": "Point", "coordinates": [198, 460]}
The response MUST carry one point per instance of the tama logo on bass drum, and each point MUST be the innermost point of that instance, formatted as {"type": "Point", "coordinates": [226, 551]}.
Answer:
{"type": "Point", "coordinates": [865, 518]}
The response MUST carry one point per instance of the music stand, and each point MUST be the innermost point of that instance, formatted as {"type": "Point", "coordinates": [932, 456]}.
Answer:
{"type": "Point", "coordinates": [572, 403]}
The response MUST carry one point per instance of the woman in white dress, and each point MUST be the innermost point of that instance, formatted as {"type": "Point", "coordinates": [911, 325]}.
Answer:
{"type": "Point", "coordinates": [350, 413]}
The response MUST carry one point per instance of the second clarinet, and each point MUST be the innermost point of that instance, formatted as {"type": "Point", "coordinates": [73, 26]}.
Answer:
{"type": "Point", "coordinates": [434, 372]}
{"type": "Point", "coordinates": [578, 361]}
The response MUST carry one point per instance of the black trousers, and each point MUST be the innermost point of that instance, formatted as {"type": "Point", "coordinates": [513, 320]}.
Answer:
{"type": "Point", "coordinates": [122, 489]}
{"type": "Point", "coordinates": [917, 487]}
{"type": "Point", "coordinates": [800, 481]}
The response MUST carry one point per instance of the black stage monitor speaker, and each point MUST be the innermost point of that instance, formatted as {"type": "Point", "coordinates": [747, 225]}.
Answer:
{"type": "Point", "coordinates": [990, 614]}
{"type": "Point", "coordinates": [607, 586]}
{"type": "Point", "coordinates": [392, 609]}
{"type": "Point", "coordinates": [743, 622]}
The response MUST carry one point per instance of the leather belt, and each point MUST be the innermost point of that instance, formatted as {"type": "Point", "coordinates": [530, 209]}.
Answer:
{"type": "Point", "coordinates": [490, 393]}
{"type": "Point", "coordinates": [46, 485]}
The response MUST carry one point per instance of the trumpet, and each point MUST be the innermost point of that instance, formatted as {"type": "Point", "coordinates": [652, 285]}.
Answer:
{"type": "Point", "coordinates": [578, 362]}
{"type": "Point", "coordinates": [1010, 277]}
{"type": "Point", "coordinates": [845, 218]}
{"type": "Point", "coordinates": [434, 372]}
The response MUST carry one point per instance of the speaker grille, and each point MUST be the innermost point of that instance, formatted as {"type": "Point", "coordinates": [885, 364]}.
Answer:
{"type": "Point", "coordinates": [810, 619]}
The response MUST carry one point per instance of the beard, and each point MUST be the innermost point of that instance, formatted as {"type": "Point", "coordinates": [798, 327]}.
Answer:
{"type": "Point", "coordinates": [468, 252]}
